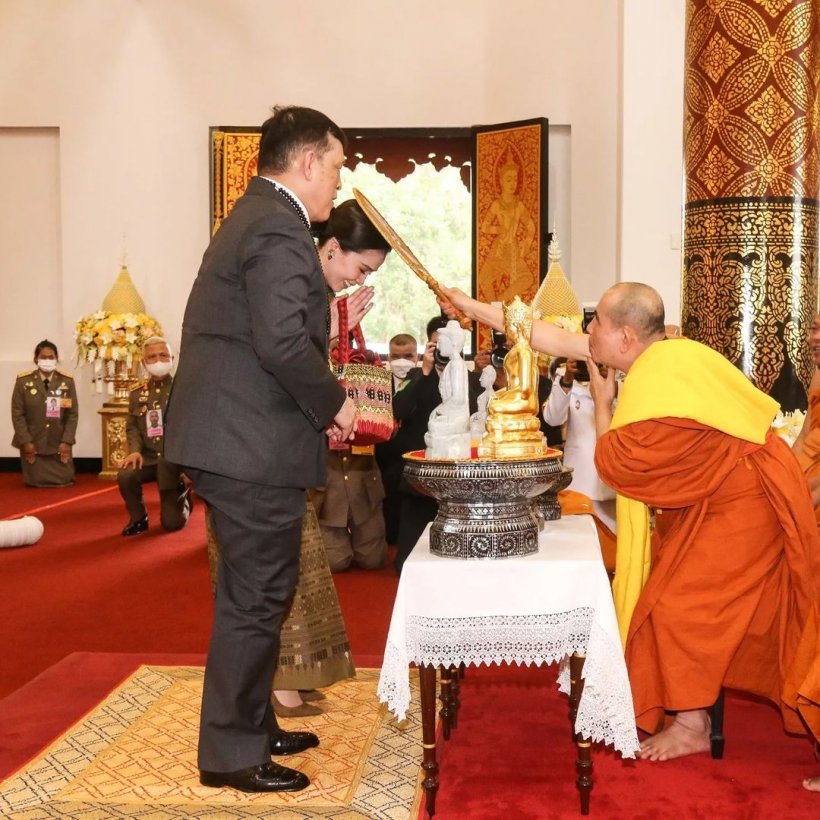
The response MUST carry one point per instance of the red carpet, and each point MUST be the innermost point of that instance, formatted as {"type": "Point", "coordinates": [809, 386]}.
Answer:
{"type": "Point", "coordinates": [84, 607]}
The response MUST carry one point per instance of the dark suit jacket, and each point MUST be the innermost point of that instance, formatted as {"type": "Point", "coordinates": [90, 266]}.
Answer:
{"type": "Point", "coordinates": [253, 390]}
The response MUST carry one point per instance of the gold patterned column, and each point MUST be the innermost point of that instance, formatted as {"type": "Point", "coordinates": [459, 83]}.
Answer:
{"type": "Point", "coordinates": [751, 214]}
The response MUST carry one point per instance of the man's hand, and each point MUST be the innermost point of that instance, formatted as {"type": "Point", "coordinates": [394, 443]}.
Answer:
{"type": "Point", "coordinates": [132, 461]}
{"type": "Point", "coordinates": [28, 452]}
{"type": "Point", "coordinates": [570, 374]}
{"type": "Point", "coordinates": [343, 426]}
{"type": "Point", "coordinates": [64, 452]}
{"type": "Point", "coordinates": [428, 361]}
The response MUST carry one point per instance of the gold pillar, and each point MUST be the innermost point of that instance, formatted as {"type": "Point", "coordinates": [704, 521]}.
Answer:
{"type": "Point", "coordinates": [114, 442]}
{"type": "Point", "coordinates": [751, 168]}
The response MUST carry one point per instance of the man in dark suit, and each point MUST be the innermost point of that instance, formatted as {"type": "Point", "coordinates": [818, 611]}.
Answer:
{"type": "Point", "coordinates": [256, 326]}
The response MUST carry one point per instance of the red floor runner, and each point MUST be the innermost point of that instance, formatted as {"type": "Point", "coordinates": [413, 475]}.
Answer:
{"type": "Point", "coordinates": [84, 607]}
{"type": "Point", "coordinates": [512, 757]}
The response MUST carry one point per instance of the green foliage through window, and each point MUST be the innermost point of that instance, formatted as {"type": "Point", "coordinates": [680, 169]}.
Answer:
{"type": "Point", "coordinates": [431, 211]}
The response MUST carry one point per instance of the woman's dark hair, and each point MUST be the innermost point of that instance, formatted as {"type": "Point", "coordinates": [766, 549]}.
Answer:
{"type": "Point", "coordinates": [349, 226]}
{"type": "Point", "coordinates": [290, 129]}
{"type": "Point", "coordinates": [44, 344]}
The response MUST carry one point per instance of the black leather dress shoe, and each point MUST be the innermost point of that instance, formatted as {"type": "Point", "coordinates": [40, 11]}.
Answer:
{"type": "Point", "coordinates": [268, 777]}
{"type": "Point", "coordinates": [291, 743]}
{"type": "Point", "coordinates": [136, 527]}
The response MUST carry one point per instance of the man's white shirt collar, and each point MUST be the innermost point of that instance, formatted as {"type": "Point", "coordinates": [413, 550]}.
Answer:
{"type": "Point", "coordinates": [278, 185]}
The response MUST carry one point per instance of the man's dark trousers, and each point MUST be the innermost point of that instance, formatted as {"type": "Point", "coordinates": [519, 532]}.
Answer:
{"type": "Point", "coordinates": [258, 528]}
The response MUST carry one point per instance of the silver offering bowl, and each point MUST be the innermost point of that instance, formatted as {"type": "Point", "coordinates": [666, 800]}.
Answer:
{"type": "Point", "coordinates": [485, 505]}
{"type": "Point", "coordinates": [546, 506]}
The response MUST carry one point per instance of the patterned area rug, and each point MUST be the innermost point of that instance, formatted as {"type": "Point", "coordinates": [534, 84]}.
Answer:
{"type": "Point", "coordinates": [135, 756]}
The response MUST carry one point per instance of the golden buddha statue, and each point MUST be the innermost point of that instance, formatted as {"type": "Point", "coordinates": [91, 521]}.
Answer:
{"type": "Point", "coordinates": [513, 429]}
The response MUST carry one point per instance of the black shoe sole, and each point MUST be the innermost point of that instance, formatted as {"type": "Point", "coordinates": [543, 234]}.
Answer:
{"type": "Point", "coordinates": [214, 782]}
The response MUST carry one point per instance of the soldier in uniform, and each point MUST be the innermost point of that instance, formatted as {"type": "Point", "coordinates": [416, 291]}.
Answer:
{"type": "Point", "coordinates": [145, 430]}
{"type": "Point", "coordinates": [44, 416]}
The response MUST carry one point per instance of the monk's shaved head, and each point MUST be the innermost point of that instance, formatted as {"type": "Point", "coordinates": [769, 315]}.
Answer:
{"type": "Point", "coordinates": [635, 305]}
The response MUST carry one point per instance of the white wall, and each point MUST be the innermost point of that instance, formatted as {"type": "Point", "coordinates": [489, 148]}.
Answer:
{"type": "Point", "coordinates": [651, 195]}
{"type": "Point", "coordinates": [132, 87]}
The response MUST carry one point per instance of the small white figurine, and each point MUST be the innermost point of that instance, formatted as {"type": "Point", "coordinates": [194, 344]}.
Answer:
{"type": "Point", "coordinates": [448, 431]}
{"type": "Point", "coordinates": [479, 419]}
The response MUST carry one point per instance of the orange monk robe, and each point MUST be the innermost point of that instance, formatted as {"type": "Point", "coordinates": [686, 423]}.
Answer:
{"type": "Point", "coordinates": [575, 503]}
{"type": "Point", "coordinates": [808, 688]}
{"type": "Point", "coordinates": [809, 456]}
{"type": "Point", "coordinates": [734, 570]}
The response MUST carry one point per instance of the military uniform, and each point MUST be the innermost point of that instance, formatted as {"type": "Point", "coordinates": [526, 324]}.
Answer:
{"type": "Point", "coordinates": [44, 413]}
{"type": "Point", "coordinates": [146, 397]}
{"type": "Point", "coordinates": [349, 507]}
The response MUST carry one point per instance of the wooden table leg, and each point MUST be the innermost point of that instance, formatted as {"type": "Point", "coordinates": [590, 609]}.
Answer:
{"type": "Point", "coordinates": [583, 763]}
{"type": "Point", "coordinates": [427, 677]}
{"type": "Point", "coordinates": [446, 712]}
{"type": "Point", "coordinates": [455, 688]}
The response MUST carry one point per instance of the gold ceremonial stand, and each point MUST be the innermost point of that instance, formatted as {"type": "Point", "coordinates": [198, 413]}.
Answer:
{"type": "Point", "coordinates": [113, 417]}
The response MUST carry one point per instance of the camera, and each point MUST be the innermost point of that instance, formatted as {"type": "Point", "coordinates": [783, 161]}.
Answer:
{"type": "Point", "coordinates": [581, 371]}
{"type": "Point", "coordinates": [440, 360]}
{"type": "Point", "coordinates": [499, 351]}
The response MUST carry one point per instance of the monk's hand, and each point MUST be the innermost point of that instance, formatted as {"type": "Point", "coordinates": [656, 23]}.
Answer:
{"type": "Point", "coordinates": [64, 452]}
{"type": "Point", "coordinates": [452, 300]}
{"type": "Point", "coordinates": [602, 388]}
{"type": "Point", "coordinates": [28, 452]}
{"type": "Point", "coordinates": [358, 304]}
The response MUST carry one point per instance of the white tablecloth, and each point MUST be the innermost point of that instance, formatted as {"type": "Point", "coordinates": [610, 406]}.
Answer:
{"type": "Point", "coordinates": [536, 609]}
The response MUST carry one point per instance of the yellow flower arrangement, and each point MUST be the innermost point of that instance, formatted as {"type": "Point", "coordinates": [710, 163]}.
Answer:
{"type": "Point", "coordinates": [113, 337]}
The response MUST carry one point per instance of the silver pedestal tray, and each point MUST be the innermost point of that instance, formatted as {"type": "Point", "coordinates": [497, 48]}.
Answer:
{"type": "Point", "coordinates": [485, 505]}
{"type": "Point", "coordinates": [546, 505]}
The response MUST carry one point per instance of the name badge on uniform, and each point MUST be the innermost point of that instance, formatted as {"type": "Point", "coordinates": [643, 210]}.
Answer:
{"type": "Point", "coordinates": [66, 403]}
{"type": "Point", "coordinates": [52, 407]}
{"type": "Point", "coordinates": [369, 450]}
{"type": "Point", "coordinates": [153, 423]}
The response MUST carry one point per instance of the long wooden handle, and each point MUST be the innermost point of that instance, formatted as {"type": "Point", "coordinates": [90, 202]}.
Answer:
{"type": "Point", "coordinates": [402, 249]}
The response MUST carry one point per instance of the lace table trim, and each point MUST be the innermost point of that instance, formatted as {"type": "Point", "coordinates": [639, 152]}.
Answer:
{"type": "Point", "coordinates": [605, 713]}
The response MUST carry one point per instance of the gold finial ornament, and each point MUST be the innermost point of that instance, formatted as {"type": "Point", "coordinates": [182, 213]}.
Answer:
{"type": "Point", "coordinates": [513, 429]}
{"type": "Point", "coordinates": [555, 296]}
{"type": "Point", "coordinates": [123, 296]}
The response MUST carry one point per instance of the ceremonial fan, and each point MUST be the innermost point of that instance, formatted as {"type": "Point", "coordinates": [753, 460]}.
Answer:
{"type": "Point", "coordinates": [401, 248]}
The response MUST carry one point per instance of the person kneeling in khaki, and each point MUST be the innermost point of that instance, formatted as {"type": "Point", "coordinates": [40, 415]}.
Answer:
{"type": "Point", "coordinates": [145, 430]}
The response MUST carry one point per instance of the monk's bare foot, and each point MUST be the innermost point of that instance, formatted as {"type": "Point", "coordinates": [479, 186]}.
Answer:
{"type": "Point", "coordinates": [688, 734]}
{"type": "Point", "coordinates": [812, 784]}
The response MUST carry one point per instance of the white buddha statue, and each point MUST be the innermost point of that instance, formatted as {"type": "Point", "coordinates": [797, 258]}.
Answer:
{"type": "Point", "coordinates": [448, 431]}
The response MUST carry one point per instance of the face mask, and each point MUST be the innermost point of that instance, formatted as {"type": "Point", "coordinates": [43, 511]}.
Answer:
{"type": "Point", "coordinates": [159, 370]}
{"type": "Point", "coordinates": [401, 367]}
{"type": "Point", "coordinates": [47, 365]}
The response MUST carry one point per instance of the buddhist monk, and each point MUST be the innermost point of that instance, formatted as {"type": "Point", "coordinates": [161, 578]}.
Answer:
{"type": "Point", "coordinates": [732, 582]}
{"type": "Point", "coordinates": [725, 592]}
{"type": "Point", "coordinates": [807, 446]}
{"type": "Point", "coordinates": [807, 450]}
